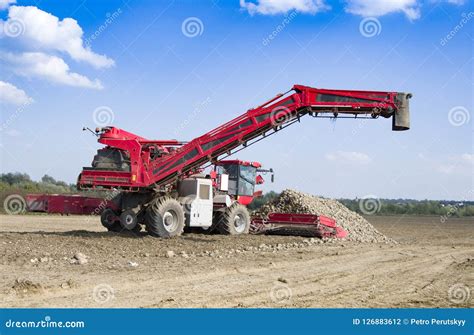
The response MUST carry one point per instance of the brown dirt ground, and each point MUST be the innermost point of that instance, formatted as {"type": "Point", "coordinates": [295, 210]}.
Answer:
{"type": "Point", "coordinates": [125, 270]}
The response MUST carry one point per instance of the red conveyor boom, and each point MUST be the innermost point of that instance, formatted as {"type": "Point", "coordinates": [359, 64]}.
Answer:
{"type": "Point", "coordinates": [277, 113]}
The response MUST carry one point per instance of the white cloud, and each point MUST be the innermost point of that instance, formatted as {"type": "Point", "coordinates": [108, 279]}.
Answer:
{"type": "Point", "coordinates": [51, 68]}
{"type": "Point", "coordinates": [457, 164]}
{"type": "Point", "coordinates": [13, 132]}
{"type": "Point", "coordinates": [447, 168]}
{"type": "Point", "coordinates": [349, 157]}
{"type": "Point", "coordinates": [11, 94]}
{"type": "Point", "coordinates": [4, 4]}
{"type": "Point", "coordinates": [45, 32]}
{"type": "Point", "coordinates": [365, 8]}
{"type": "Point", "coordinates": [454, 2]}
{"type": "Point", "coordinates": [421, 156]}
{"type": "Point", "coordinates": [469, 158]}
{"type": "Point", "coordinates": [377, 8]}
{"type": "Point", "coordinates": [271, 7]}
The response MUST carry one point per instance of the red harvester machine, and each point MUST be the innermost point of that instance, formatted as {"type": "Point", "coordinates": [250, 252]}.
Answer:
{"type": "Point", "coordinates": [162, 182]}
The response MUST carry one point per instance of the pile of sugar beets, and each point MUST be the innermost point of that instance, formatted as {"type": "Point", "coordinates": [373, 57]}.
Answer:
{"type": "Point", "coordinates": [358, 228]}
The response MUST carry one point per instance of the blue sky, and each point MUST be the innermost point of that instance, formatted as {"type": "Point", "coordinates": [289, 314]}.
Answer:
{"type": "Point", "coordinates": [140, 66]}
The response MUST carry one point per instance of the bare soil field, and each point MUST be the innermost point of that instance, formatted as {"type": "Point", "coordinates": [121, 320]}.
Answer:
{"type": "Point", "coordinates": [59, 261]}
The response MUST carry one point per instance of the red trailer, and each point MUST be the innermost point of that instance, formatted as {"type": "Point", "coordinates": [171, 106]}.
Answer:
{"type": "Point", "coordinates": [66, 204]}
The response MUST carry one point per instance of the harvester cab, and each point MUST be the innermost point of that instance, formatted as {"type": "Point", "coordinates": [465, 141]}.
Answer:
{"type": "Point", "coordinates": [242, 178]}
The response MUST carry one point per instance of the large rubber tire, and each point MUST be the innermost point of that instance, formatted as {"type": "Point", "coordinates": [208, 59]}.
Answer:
{"type": "Point", "coordinates": [235, 220]}
{"type": "Point", "coordinates": [165, 218]}
{"type": "Point", "coordinates": [128, 220]}
{"type": "Point", "coordinates": [109, 220]}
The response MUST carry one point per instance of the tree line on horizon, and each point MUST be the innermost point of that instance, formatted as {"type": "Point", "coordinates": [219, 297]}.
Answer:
{"type": "Point", "coordinates": [22, 184]}
{"type": "Point", "coordinates": [448, 208]}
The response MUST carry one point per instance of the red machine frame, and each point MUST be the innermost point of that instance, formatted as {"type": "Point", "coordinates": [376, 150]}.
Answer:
{"type": "Point", "coordinates": [179, 158]}
{"type": "Point", "coordinates": [317, 225]}
{"type": "Point", "coordinates": [67, 204]}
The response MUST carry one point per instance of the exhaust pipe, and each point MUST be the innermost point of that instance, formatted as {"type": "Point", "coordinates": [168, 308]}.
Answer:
{"type": "Point", "coordinates": [401, 117]}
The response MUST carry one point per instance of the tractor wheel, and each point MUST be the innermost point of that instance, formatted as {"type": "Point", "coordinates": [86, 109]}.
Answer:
{"type": "Point", "coordinates": [109, 220]}
{"type": "Point", "coordinates": [235, 220]}
{"type": "Point", "coordinates": [165, 218]}
{"type": "Point", "coordinates": [129, 220]}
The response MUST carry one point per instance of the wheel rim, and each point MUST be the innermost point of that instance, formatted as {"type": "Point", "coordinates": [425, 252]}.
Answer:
{"type": "Point", "coordinates": [129, 220]}
{"type": "Point", "coordinates": [109, 219]}
{"type": "Point", "coordinates": [170, 221]}
{"type": "Point", "coordinates": [239, 223]}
